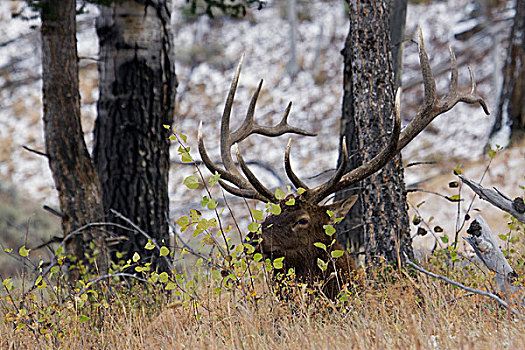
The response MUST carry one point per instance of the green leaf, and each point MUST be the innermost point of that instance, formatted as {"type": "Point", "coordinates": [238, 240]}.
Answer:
{"type": "Point", "coordinates": [172, 137]}
{"type": "Point", "coordinates": [454, 256]}
{"type": "Point", "coordinates": [214, 179]}
{"type": "Point", "coordinates": [444, 239]}
{"type": "Point", "coordinates": [23, 251]}
{"type": "Point", "coordinates": [257, 214]}
{"type": "Point", "coordinates": [183, 221]}
{"type": "Point", "coordinates": [171, 286]}
{"type": "Point", "coordinates": [257, 257]}
{"type": "Point", "coordinates": [166, 126]}
{"type": "Point", "coordinates": [149, 245]}
{"type": "Point", "coordinates": [136, 257]}
{"type": "Point", "coordinates": [164, 251]}
{"type": "Point", "coordinates": [212, 204]}
{"type": "Point", "coordinates": [248, 248]}
{"type": "Point", "coordinates": [253, 227]}
{"type": "Point", "coordinates": [330, 213]}
{"type": "Point", "coordinates": [320, 245]}
{"type": "Point", "coordinates": [278, 263]}
{"type": "Point", "coordinates": [457, 170]}
{"type": "Point", "coordinates": [163, 277]}
{"type": "Point", "coordinates": [321, 264]}
{"type": "Point", "coordinates": [275, 209]}
{"type": "Point", "coordinates": [186, 158]}
{"type": "Point", "coordinates": [455, 198]}
{"type": "Point", "coordinates": [192, 182]}
{"type": "Point", "coordinates": [301, 190]}
{"type": "Point", "coordinates": [290, 201]}
{"type": "Point", "coordinates": [329, 229]}
{"type": "Point", "coordinates": [503, 237]}
{"type": "Point", "coordinates": [184, 138]}
{"type": "Point", "coordinates": [337, 253]}
{"type": "Point", "coordinates": [83, 318]}
{"type": "Point", "coordinates": [279, 194]}
{"type": "Point", "coordinates": [38, 280]}
{"type": "Point", "coordinates": [492, 154]}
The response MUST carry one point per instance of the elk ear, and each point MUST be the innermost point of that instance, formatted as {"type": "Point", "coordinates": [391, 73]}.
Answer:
{"type": "Point", "coordinates": [342, 207]}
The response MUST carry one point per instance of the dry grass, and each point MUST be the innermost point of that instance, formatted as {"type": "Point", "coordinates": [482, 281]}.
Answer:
{"type": "Point", "coordinates": [404, 312]}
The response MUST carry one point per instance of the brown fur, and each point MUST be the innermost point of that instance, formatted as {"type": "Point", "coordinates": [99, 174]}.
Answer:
{"type": "Point", "coordinates": [292, 235]}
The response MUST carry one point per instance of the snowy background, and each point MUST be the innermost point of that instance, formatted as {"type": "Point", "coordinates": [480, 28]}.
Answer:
{"type": "Point", "coordinates": [207, 51]}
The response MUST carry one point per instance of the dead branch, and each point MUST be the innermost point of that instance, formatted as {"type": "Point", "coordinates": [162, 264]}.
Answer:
{"type": "Point", "coordinates": [487, 249]}
{"type": "Point", "coordinates": [498, 199]}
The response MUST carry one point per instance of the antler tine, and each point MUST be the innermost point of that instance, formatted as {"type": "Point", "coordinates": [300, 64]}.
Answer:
{"type": "Point", "coordinates": [428, 78]}
{"type": "Point", "coordinates": [247, 125]}
{"type": "Point", "coordinates": [288, 167]}
{"type": "Point", "coordinates": [226, 137]}
{"type": "Point", "coordinates": [259, 187]}
{"type": "Point", "coordinates": [473, 86]}
{"type": "Point", "coordinates": [270, 131]}
{"type": "Point", "coordinates": [241, 192]}
{"type": "Point", "coordinates": [248, 187]}
{"type": "Point", "coordinates": [327, 188]}
{"type": "Point", "coordinates": [433, 106]}
{"type": "Point", "coordinates": [453, 86]}
{"type": "Point", "coordinates": [365, 170]}
{"type": "Point", "coordinates": [431, 110]}
{"type": "Point", "coordinates": [212, 167]}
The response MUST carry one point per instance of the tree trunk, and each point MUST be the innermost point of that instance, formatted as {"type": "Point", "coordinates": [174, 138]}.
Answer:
{"type": "Point", "coordinates": [75, 178]}
{"type": "Point", "coordinates": [398, 17]}
{"type": "Point", "coordinates": [377, 225]}
{"type": "Point", "coordinates": [511, 105]}
{"type": "Point", "coordinates": [137, 95]}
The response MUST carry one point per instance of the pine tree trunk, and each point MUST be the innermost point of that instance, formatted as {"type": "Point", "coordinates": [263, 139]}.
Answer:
{"type": "Point", "coordinates": [75, 178]}
{"type": "Point", "coordinates": [377, 225]}
{"type": "Point", "coordinates": [137, 96]}
{"type": "Point", "coordinates": [398, 17]}
{"type": "Point", "coordinates": [511, 106]}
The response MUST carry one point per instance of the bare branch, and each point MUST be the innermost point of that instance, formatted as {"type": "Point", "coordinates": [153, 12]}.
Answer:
{"type": "Point", "coordinates": [497, 199]}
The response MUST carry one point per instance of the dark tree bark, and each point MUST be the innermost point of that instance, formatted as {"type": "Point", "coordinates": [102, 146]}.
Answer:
{"type": "Point", "coordinates": [75, 178]}
{"type": "Point", "coordinates": [511, 106]}
{"type": "Point", "coordinates": [378, 223]}
{"type": "Point", "coordinates": [137, 94]}
{"type": "Point", "coordinates": [398, 17]}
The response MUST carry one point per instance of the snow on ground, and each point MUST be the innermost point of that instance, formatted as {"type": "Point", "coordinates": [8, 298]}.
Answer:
{"type": "Point", "coordinates": [207, 51]}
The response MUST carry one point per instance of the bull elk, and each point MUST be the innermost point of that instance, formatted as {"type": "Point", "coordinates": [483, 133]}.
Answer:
{"type": "Point", "coordinates": [292, 233]}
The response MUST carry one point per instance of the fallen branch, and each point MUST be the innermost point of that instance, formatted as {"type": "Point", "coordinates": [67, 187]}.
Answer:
{"type": "Point", "coordinates": [514, 207]}
{"type": "Point", "coordinates": [488, 251]}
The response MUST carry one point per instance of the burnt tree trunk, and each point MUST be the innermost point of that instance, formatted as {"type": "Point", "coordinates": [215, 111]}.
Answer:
{"type": "Point", "coordinates": [398, 17]}
{"type": "Point", "coordinates": [75, 178]}
{"type": "Point", "coordinates": [378, 223]}
{"type": "Point", "coordinates": [137, 94]}
{"type": "Point", "coordinates": [511, 105]}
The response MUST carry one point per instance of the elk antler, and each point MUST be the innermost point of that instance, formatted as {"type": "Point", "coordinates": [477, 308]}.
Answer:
{"type": "Point", "coordinates": [432, 107]}
{"type": "Point", "coordinates": [248, 187]}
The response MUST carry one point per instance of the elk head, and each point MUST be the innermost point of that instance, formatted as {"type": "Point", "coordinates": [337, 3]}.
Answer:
{"type": "Point", "coordinates": [292, 234]}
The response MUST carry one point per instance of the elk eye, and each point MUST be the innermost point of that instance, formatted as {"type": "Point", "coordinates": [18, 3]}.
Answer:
{"type": "Point", "coordinates": [301, 222]}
